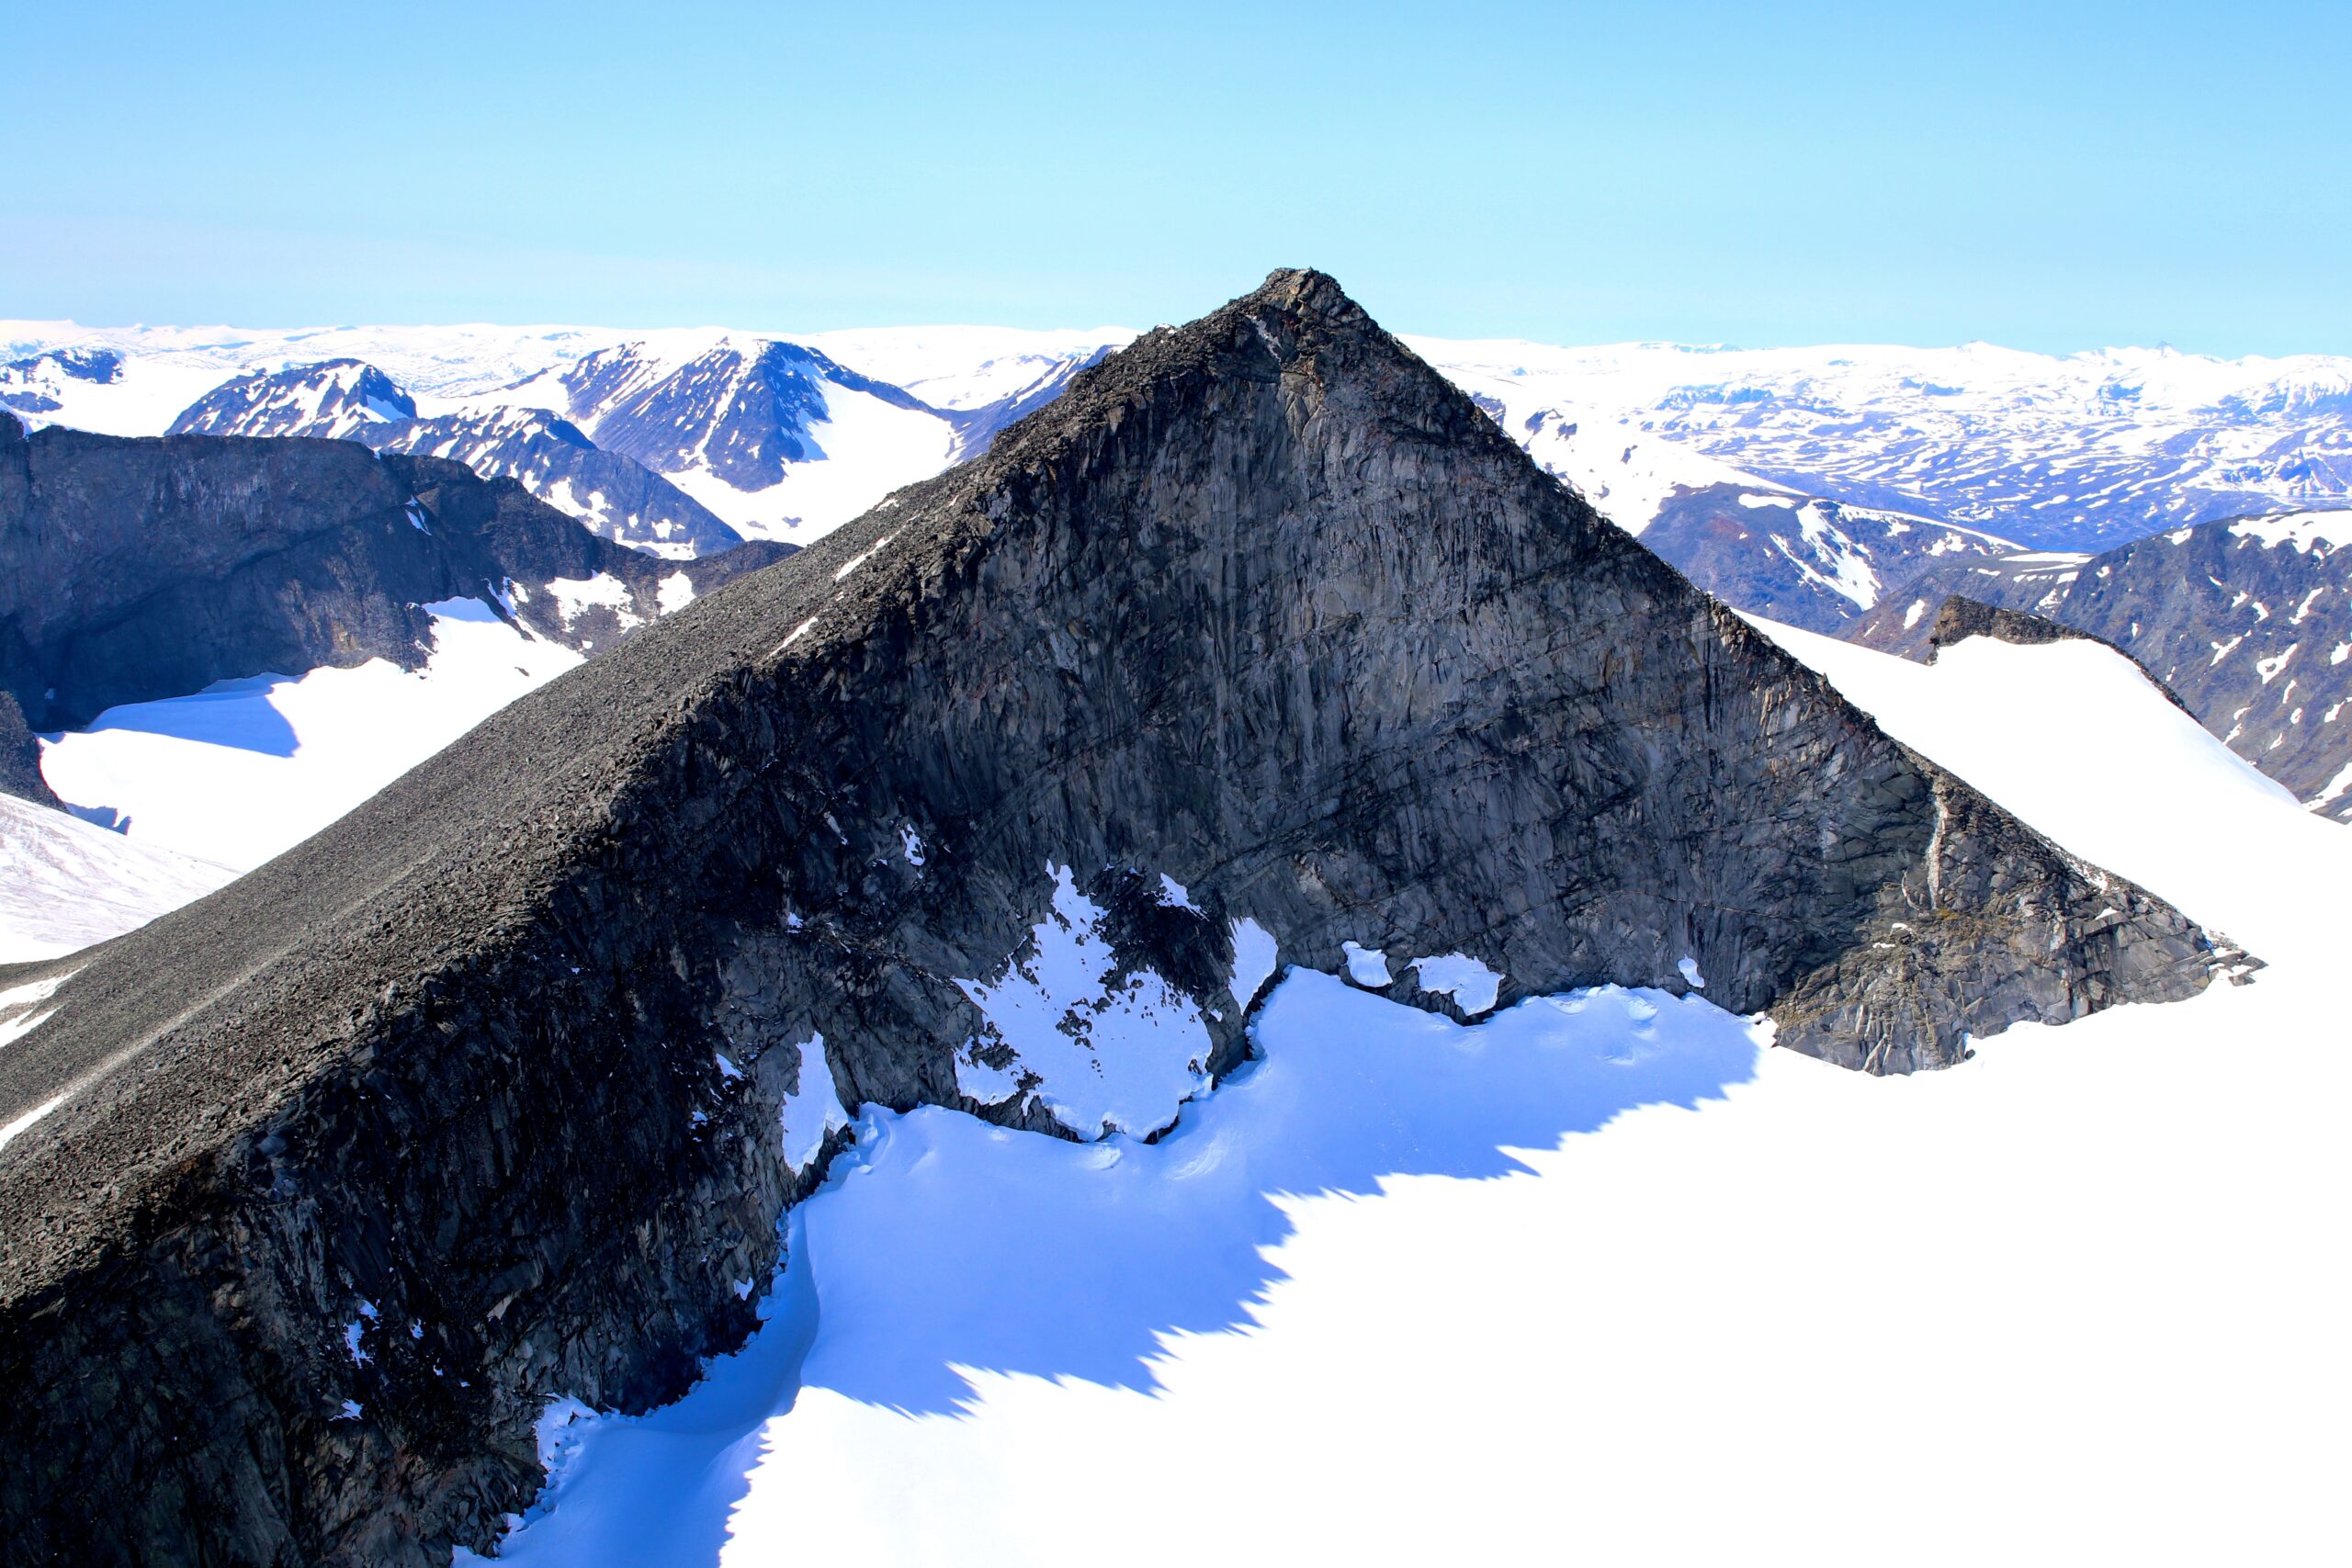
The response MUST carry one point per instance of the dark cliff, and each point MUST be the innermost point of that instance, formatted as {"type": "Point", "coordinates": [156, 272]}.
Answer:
{"type": "Point", "coordinates": [136, 567]}
{"type": "Point", "coordinates": [1263, 605]}
{"type": "Point", "coordinates": [20, 756]}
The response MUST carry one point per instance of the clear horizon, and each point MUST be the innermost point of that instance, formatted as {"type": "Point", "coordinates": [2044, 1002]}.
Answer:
{"type": "Point", "coordinates": [2050, 178]}
{"type": "Point", "coordinates": [1407, 331]}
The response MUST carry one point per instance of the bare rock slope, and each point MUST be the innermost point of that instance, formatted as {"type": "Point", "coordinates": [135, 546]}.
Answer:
{"type": "Point", "coordinates": [1263, 606]}
{"type": "Point", "coordinates": [136, 567]}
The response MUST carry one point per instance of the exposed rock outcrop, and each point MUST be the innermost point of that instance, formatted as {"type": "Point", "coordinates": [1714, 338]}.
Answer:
{"type": "Point", "coordinates": [1963, 617]}
{"type": "Point", "coordinates": [20, 757]}
{"type": "Point", "coordinates": [132, 568]}
{"type": "Point", "coordinates": [1262, 632]}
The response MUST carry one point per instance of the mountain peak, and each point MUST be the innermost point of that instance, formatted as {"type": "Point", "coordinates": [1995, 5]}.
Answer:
{"type": "Point", "coordinates": [1305, 288]}
{"type": "Point", "coordinates": [1262, 610]}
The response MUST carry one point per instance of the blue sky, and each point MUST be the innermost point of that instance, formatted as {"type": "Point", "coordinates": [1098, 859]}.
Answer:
{"type": "Point", "coordinates": [2048, 175]}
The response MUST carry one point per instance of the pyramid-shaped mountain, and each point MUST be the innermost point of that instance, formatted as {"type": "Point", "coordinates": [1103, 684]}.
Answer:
{"type": "Point", "coordinates": [1261, 646]}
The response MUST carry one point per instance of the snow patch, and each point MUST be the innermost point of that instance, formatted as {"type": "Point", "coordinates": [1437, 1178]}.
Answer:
{"type": "Point", "coordinates": [1367, 967]}
{"type": "Point", "coordinates": [2301, 529]}
{"type": "Point", "coordinates": [863, 556]}
{"type": "Point", "coordinates": [66, 881]}
{"type": "Point", "coordinates": [1471, 983]}
{"type": "Point", "coordinates": [244, 770]}
{"type": "Point", "coordinates": [1099, 1055]}
{"type": "Point", "coordinates": [575, 596]}
{"type": "Point", "coordinates": [14, 1130]}
{"type": "Point", "coordinates": [812, 1112]}
{"type": "Point", "coordinates": [1254, 951]}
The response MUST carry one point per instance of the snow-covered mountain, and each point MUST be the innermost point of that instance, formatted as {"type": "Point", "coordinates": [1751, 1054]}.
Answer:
{"type": "Point", "coordinates": [777, 439]}
{"type": "Point", "coordinates": [334, 397]}
{"type": "Point", "coordinates": [1810, 562]}
{"type": "Point", "coordinates": [500, 1061]}
{"type": "Point", "coordinates": [40, 383]}
{"type": "Point", "coordinates": [618, 496]}
{"type": "Point", "coordinates": [786, 437]}
{"type": "Point", "coordinates": [766, 436]}
{"type": "Point", "coordinates": [2082, 450]}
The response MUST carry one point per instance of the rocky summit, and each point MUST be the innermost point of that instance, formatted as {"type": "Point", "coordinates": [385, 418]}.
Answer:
{"type": "Point", "coordinates": [1261, 646]}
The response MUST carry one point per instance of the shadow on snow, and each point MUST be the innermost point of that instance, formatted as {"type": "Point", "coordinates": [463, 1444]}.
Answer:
{"type": "Point", "coordinates": [942, 1242]}
{"type": "Point", "coordinates": [236, 713]}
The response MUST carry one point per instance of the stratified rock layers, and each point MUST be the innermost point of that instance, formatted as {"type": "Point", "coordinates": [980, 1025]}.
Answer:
{"type": "Point", "coordinates": [1263, 605]}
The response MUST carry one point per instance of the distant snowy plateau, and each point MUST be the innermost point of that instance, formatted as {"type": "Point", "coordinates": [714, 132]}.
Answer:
{"type": "Point", "coordinates": [1601, 1274]}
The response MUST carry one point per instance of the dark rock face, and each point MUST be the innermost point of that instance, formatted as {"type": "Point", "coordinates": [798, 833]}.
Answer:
{"type": "Point", "coordinates": [334, 397]}
{"type": "Point", "coordinates": [2248, 621]}
{"type": "Point", "coordinates": [1809, 562]}
{"type": "Point", "coordinates": [618, 497]}
{"type": "Point", "coordinates": [20, 757]}
{"type": "Point", "coordinates": [1962, 618]}
{"type": "Point", "coordinates": [1263, 605]}
{"type": "Point", "coordinates": [140, 568]}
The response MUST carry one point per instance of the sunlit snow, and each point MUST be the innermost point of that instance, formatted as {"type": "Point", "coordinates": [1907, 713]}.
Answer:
{"type": "Point", "coordinates": [247, 769]}
{"type": "Point", "coordinates": [2071, 1300]}
{"type": "Point", "coordinates": [65, 882]}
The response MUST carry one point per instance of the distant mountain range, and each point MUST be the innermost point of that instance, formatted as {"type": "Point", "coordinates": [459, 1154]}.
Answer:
{"type": "Point", "coordinates": [2076, 453]}
{"type": "Point", "coordinates": [679, 442]}
{"type": "Point", "coordinates": [1812, 486]}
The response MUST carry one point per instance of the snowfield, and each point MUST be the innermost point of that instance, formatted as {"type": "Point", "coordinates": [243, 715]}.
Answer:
{"type": "Point", "coordinates": [65, 882]}
{"type": "Point", "coordinates": [246, 770]}
{"type": "Point", "coordinates": [1601, 1276]}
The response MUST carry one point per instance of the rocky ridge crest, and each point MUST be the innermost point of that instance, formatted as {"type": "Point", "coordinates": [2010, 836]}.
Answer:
{"type": "Point", "coordinates": [1263, 607]}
